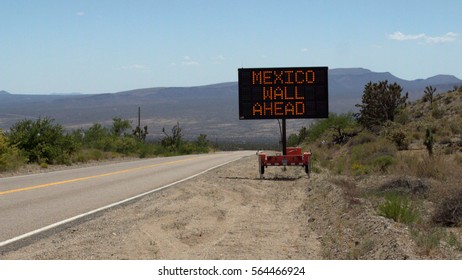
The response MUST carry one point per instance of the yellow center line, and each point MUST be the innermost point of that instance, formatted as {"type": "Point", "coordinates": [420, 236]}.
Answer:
{"type": "Point", "coordinates": [92, 177]}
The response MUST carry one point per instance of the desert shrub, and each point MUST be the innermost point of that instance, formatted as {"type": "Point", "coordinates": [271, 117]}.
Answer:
{"type": "Point", "coordinates": [86, 155]}
{"type": "Point", "coordinates": [126, 145]}
{"type": "Point", "coordinates": [449, 211]}
{"type": "Point", "coordinates": [399, 138]}
{"type": "Point", "coordinates": [296, 139]}
{"type": "Point", "coordinates": [455, 126]}
{"type": "Point", "coordinates": [400, 208]}
{"type": "Point", "coordinates": [42, 141]}
{"type": "Point", "coordinates": [402, 117]}
{"type": "Point", "coordinates": [436, 167]}
{"type": "Point", "coordinates": [341, 127]}
{"type": "Point", "coordinates": [383, 162]}
{"type": "Point", "coordinates": [362, 138]}
{"type": "Point", "coordinates": [194, 147]}
{"type": "Point", "coordinates": [149, 149]}
{"type": "Point", "coordinates": [406, 185]}
{"type": "Point", "coordinates": [339, 165]}
{"type": "Point", "coordinates": [94, 136]}
{"type": "Point", "coordinates": [454, 241]}
{"type": "Point", "coordinates": [427, 239]}
{"type": "Point", "coordinates": [377, 155]}
{"type": "Point", "coordinates": [186, 148]}
{"type": "Point", "coordinates": [202, 145]}
{"type": "Point", "coordinates": [437, 112]}
{"type": "Point", "coordinates": [120, 126]}
{"type": "Point", "coordinates": [173, 142]}
{"type": "Point", "coordinates": [10, 157]}
{"type": "Point", "coordinates": [359, 169]}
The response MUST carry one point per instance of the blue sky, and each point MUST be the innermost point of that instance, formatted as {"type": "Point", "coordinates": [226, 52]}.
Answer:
{"type": "Point", "coordinates": [95, 46]}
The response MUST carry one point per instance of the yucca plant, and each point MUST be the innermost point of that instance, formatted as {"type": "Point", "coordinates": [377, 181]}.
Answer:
{"type": "Point", "coordinates": [398, 207]}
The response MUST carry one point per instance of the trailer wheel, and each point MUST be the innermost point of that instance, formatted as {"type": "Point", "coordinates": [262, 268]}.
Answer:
{"type": "Point", "coordinates": [308, 169]}
{"type": "Point", "coordinates": [261, 171]}
{"type": "Point", "coordinates": [261, 168]}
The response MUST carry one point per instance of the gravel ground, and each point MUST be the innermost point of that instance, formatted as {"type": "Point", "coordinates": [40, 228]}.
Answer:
{"type": "Point", "coordinates": [229, 213]}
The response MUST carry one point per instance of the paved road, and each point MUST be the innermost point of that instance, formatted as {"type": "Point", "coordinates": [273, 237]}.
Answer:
{"type": "Point", "coordinates": [32, 202]}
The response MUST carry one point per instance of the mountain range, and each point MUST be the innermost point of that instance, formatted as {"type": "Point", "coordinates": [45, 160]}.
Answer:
{"type": "Point", "coordinates": [210, 109]}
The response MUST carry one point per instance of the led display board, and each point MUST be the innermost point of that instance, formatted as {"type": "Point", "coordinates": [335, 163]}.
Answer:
{"type": "Point", "coordinates": [283, 93]}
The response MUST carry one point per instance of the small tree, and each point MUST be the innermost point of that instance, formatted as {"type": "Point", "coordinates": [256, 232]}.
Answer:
{"type": "Point", "coordinates": [119, 126]}
{"type": "Point", "coordinates": [296, 139]}
{"type": "Point", "coordinates": [428, 94]}
{"type": "Point", "coordinates": [202, 141]}
{"type": "Point", "coordinates": [94, 136]}
{"type": "Point", "coordinates": [344, 127]}
{"type": "Point", "coordinates": [172, 142]}
{"type": "Point", "coordinates": [380, 103]}
{"type": "Point", "coordinates": [141, 134]}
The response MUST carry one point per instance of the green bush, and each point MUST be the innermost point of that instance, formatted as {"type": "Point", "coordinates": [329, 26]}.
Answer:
{"type": "Point", "coordinates": [339, 127]}
{"type": "Point", "coordinates": [399, 138]}
{"type": "Point", "coordinates": [359, 169]}
{"type": "Point", "coordinates": [42, 141]}
{"type": "Point", "coordinates": [398, 207]}
{"type": "Point", "coordinates": [126, 145]}
{"type": "Point", "coordinates": [10, 157]}
{"type": "Point", "coordinates": [94, 136]}
{"type": "Point", "coordinates": [378, 154]}
{"type": "Point", "coordinates": [293, 140]}
{"type": "Point", "coordinates": [437, 112]}
{"type": "Point", "coordinates": [383, 162]}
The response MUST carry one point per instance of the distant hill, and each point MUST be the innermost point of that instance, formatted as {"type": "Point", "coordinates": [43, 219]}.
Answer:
{"type": "Point", "coordinates": [211, 109]}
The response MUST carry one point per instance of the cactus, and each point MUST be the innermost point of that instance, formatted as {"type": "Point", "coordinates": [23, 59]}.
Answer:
{"type": "Point", "coordinates": [429, 141]}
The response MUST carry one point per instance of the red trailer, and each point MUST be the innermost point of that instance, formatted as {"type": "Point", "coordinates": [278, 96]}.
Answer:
{"type": "Point", "coordinates": [293, 157]}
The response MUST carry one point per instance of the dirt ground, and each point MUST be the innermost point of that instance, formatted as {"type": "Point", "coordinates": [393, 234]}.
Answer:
{"type": "Point", "coordinates": [229, 213]}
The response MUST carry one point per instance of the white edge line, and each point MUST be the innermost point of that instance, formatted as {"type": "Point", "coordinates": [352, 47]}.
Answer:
{"type": "Point", "coordinates": [37, 231]}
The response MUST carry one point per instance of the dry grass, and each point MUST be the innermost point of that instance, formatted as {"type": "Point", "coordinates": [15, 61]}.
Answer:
{"type": "Point", "coordinates": [432, 184]}
{"type": "Point", "coordinates": [420, 165]}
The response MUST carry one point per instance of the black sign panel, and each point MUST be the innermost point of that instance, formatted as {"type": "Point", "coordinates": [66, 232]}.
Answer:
{"type": "Point", "coordinates": [283, 93]}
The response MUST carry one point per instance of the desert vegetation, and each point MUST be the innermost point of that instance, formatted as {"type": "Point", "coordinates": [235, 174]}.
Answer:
{"type": "Point", "coordinates": [45, 143]}
{"type": "Point", "coordinates": [400, 159]}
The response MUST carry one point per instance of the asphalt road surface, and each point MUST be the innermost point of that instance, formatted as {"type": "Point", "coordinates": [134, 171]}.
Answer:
{"type": "Point", "coordinates": [33, 203]}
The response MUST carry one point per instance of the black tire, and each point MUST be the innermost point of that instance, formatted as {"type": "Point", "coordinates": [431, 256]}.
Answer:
{"type": "Point", "coordinates": [308, 169]}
